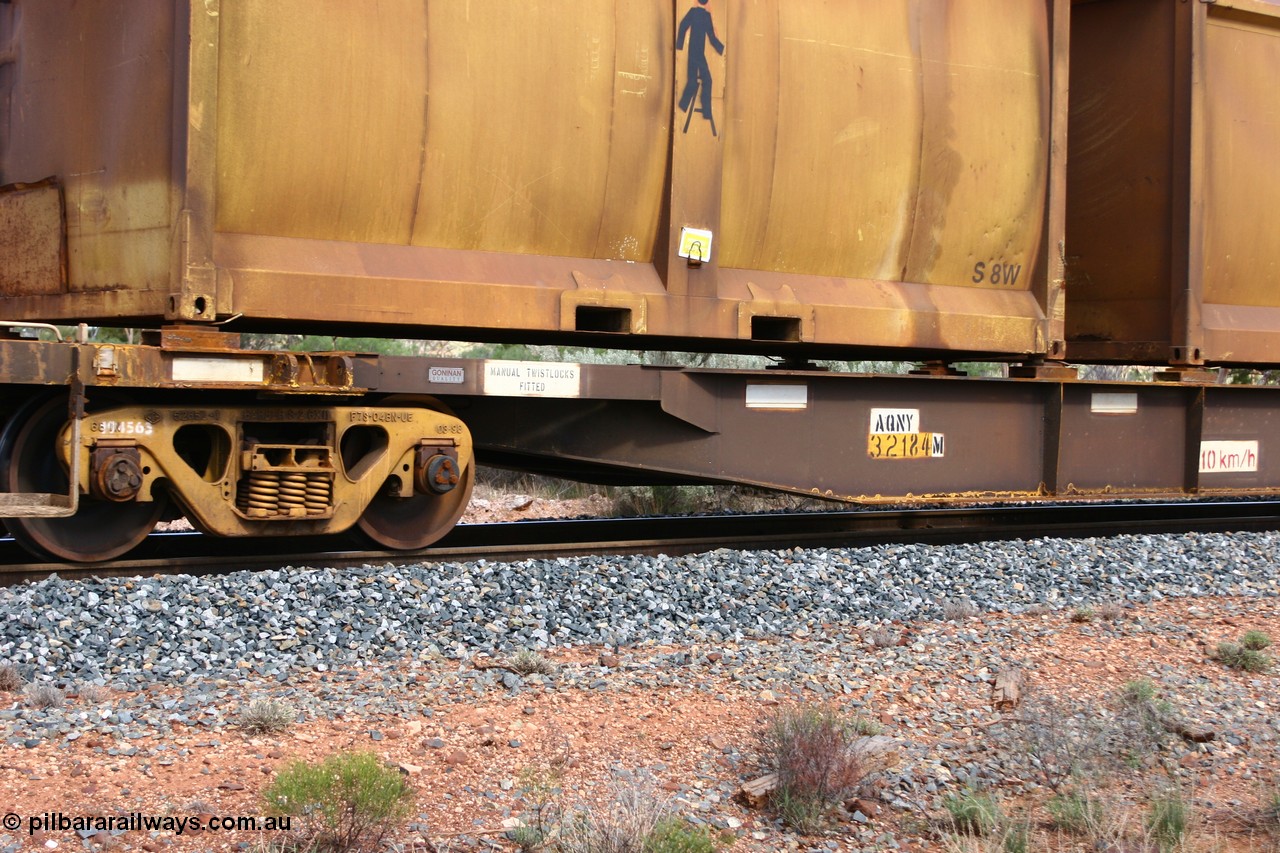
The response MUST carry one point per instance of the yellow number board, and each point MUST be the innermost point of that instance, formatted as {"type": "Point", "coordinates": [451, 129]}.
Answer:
{"type": "Point", "coordinates": [905, 445]}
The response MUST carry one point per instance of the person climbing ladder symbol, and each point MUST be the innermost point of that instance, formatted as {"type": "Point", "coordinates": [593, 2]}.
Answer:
{"type": "Point", "coordinates": [698, 24]}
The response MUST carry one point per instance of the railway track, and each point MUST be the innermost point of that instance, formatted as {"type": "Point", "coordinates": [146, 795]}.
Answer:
{"type": "Point", "coordinates": [174, 553]}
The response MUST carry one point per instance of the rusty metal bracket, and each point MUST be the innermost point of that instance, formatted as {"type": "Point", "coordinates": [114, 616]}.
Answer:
{"type": "Point", "coordinates": [44, 504]}
{"type": "Point", "coordinates": [312, 373]}
{"type": "Point", "coordinates": [186, 337]}
{"type": "Point", "coordinates": [936, 368]}
{"type": "Point", "coordinates": [1039, 369]}
{"type": "Point", "coordinates": [1189, 375]}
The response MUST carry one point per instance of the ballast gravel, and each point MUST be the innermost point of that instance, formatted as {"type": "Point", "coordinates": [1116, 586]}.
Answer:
{"type": "Point", "coordinates": [182, 657]}
{"type": "Point", "coordinates": [129, 633]}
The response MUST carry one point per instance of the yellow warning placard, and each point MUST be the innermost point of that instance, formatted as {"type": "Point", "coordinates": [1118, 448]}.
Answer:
{"type": "Point", "coordinates": [695, 244]}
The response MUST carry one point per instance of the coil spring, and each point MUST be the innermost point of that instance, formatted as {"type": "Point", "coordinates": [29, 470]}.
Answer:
{"type": "Point", "coordinates": [259, 495]}
{"type": "Point", "coordinates": [293, 494]}
{"type": "Point", "coordinates": [273, 493]}
{"type": "Point", "coordinates": [319, 494]}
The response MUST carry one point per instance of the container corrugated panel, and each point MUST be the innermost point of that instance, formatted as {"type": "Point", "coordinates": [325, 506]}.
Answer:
{"type": "Point", "coordinates": [88, 93]}
{"type": "Point", "coordinates": [877, 175]}
{"type": "Point", "coordinates": [1172, 253]}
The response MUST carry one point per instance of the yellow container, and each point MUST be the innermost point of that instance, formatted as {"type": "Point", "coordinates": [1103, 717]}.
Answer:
{"type": "Point", "coordinates": [782, 175]}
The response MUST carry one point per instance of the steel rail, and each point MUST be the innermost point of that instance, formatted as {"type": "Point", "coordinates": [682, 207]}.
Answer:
{"type": "Point", "coordinates": [192, 553]}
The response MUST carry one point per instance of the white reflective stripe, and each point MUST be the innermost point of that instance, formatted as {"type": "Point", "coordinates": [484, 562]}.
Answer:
{"type": "Point", "coordinates": [189, 369]}
{"type": "Point", "coordinates": [777, 396]}
{"type": "Point", "coordinates": [1110, 403]}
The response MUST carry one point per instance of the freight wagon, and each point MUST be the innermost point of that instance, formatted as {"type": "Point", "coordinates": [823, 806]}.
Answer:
{"type": "Point", "coordinates": [801, 179]}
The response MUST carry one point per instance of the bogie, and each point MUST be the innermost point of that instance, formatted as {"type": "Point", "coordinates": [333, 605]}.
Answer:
{"type": "Point", "coordinates": [237, 470]}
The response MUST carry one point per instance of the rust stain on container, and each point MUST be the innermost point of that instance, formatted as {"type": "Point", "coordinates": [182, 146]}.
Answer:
{"type": "Point", "coordinates": [32, 240]}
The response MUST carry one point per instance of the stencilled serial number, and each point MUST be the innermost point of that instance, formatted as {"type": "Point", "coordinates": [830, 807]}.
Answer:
{"type": "Point", "coordinates": [997, 273]}
{"type": "Point", "coordinates": [121, 428]}
{"type": "Point", "coordinates": [906, 445]}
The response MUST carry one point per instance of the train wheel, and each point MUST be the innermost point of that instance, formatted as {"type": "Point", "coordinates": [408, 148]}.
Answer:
{"type": "Point", "coordinates": [407, 524]}
{"type": "Point", "coordinates": [28, 463]}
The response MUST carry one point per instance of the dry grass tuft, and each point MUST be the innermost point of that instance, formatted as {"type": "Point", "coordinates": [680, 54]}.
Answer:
{"type": "Point", "coordinates": [43, 696]}
{"type": "Point", "coordinates": [267, 716]}
{"type": "Point", "coordinates": [528, 662]}
{"type": "Point", "coordinates": [810, 748]}
{"type": "Point", "coordinates": [11, 680]}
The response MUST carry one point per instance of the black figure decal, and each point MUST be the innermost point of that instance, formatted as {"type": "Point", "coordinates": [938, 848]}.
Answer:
{"type": "Point", "coordinates": [698, 24]}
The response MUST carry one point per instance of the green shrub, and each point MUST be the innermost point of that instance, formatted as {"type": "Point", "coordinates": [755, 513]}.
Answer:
{"type": "Point", "coordinates": [1271, 807]}
{"type": "Point", "coordinates": [1167, 820]}
{"type": "Point", "coordinates": [804, 811]}
{"type": "Point", "coordinates": [1083, 614]}
{"type": "Point", "coordinates": [1237, 656]}
{"type": "Point", "coordinates": [1255, 640]}
{"type": "Point", "coordinates": [527, 838]}
{"type": "Point", "coordinates": [540, 789]}
{"type": "Point", "coordinates": [973, 813]}
{"type": "Point", "coordinates": [1146, 714]}
{"type": "Point", "coordinates": [676, 835]}
{"type": "Point", "coordinates": [810, 748]}
{"type": "Point", "coordinates": [1017, 837]}
{"type": "Point", "coordinates": [348, 803]}
{"type": "Point", "coordinates": [661, 500]}
{"type": "Point", "coordinates": [1138, 692]}
{"type": "Point", "coordinates": [1076, 812]}
{"type": "Point", "coordinates": [864, 726]}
